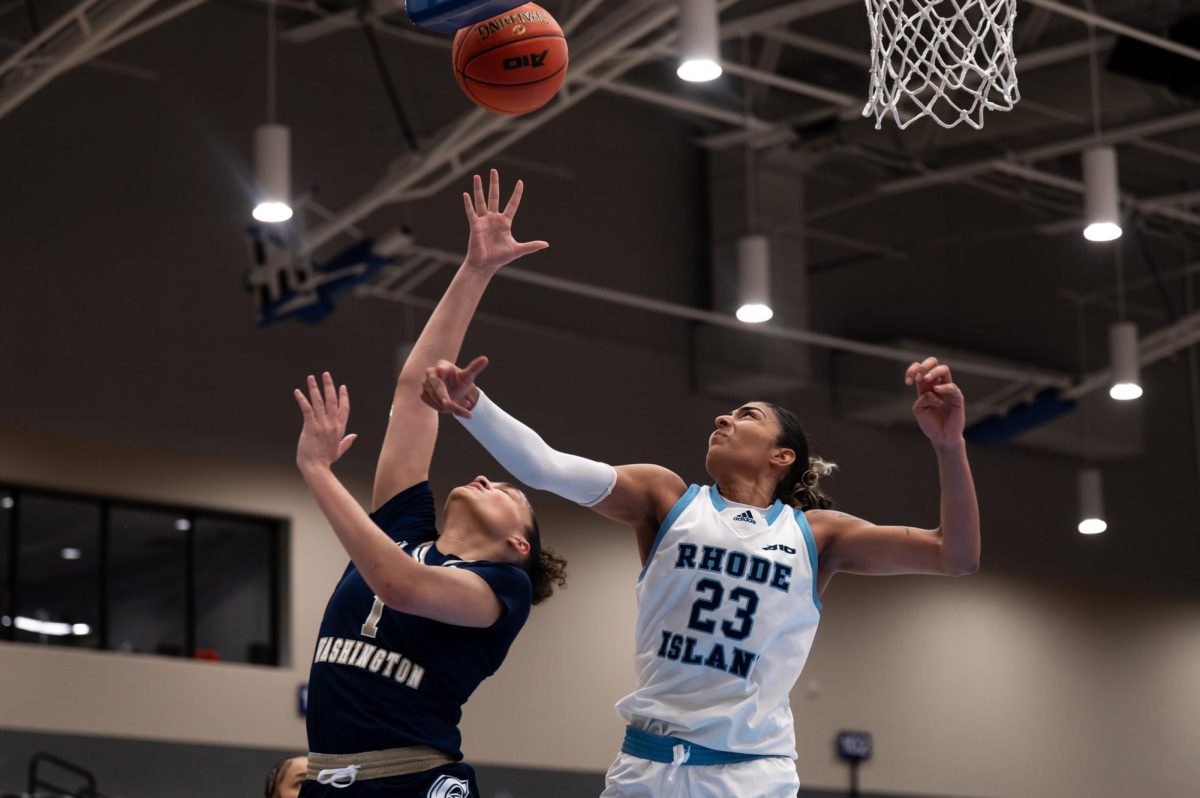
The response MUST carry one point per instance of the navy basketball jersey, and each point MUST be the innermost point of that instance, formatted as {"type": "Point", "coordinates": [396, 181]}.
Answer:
{"type": "Point", "coordinates": [386, 679]}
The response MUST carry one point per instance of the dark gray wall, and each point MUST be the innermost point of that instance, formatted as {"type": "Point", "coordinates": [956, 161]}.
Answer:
{"type": "Point", "coordinates": [141, 769]}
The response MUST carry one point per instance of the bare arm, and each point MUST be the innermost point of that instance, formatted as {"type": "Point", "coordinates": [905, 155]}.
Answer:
{"type": "Point", "coordinates": [449, 595]}
{"type": "Point", "coordinates": [642, 498]}
{"type": "Point", "coordinates": [856, 546]}
{"type": "Point", "coordinates": [641, 495]}
{"type": "Point", "coordinates": [412, 429]}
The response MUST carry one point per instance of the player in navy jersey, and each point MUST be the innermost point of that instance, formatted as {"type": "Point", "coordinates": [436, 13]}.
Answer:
{"type": "Point", "coordinates": [417, 619]}
{"type": "Point", "coordinates": [729, 593]}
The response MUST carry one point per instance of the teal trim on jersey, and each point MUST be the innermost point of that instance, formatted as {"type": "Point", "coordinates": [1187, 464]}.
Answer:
{"type": "Point", "coordinates": [657, 748]}
{"type": "Point", "coordinates": [773, 512]}
{"type": "Point", "coordinates": [811, 543]}
{"type": "Point", "coordinates": [717, 499]}
{"type": "Point", "coordinates": [679, 507]}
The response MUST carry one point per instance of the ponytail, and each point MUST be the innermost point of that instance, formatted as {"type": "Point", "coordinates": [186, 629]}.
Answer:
{"type": "Point", "coordinates": [806, 492]}
{"type": "Point", "coordinates": [800, 487]}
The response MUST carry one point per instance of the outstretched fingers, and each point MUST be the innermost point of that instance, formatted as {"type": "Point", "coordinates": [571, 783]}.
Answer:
{"type": "Point", "coordinates": [314, 397]}
{"type": "Point", "coordinates": [528, 247]}
{"type": "Point", "coordinates": [514, 202]}
{"type": "Point", "coordinates": [343, 407]}
{"type": "Point", "coordinates": [480, 203]}
{"type": "Point", "coordinates": [474, 368]}
{"type": "Point", "coordinates": [305, 408]}
{"type": "Point", "coordinates": [493, 204]}
{"type": "Point", "coordinates": [331, 395]}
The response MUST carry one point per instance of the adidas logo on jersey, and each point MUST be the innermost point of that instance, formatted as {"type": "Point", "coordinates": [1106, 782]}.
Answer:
{"type": "Point", "coordinates": [745, 516]}
{"type": "Point", "coordinates": [779, 547]}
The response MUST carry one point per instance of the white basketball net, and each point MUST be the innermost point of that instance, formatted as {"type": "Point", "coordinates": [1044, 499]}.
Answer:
{"type": "Point", "coordinates": [945, 59]}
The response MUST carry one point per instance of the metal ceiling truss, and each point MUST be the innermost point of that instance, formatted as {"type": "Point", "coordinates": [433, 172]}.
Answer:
{"type": "Point", "coordinates": [599, 66]}
{"type": "Point", "coordinates": [634, 34]}
{"type": "Point", "coordinates": [86, 31]}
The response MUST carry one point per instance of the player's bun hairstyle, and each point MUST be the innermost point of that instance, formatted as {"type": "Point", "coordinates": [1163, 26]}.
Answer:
{"type": "Point", "coordinates": [800, 485]}
{"type": "Point", "coordinates": [545, 568]}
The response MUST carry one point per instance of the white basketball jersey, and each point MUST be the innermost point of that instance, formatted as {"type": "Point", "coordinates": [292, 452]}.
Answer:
{"type": "Point", "coordinates": [727, 611]}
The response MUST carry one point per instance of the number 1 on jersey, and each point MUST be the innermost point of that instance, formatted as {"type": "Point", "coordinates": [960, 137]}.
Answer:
{"type": "Point", "coordinates": [372, 625]}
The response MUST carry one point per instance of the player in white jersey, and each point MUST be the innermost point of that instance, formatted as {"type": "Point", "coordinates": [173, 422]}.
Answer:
{"type": "Point", "coordinates": [728, 596]}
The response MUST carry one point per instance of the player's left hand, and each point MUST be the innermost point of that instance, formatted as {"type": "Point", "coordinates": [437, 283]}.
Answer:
{"type": "Point", "coordinates": [939, 408]}
{"type": "Point", "coordinates": [449, 389]}
{"type": "Point", "coordinates": [492, 244]}
{"type": "Point", "coordinates": [323, 440]}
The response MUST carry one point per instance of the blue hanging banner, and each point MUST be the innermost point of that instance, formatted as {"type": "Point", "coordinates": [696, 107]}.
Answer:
{"type": "Point", "coordinates": [447, 16]}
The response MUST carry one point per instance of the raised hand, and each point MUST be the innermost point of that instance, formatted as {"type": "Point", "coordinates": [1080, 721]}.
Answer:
{"type": "Point", "coordinates": [323, 440]}
{"type": "Point", "coordinates": [492, 244]}
{"type": "Point", "coordinates": [939, 408]}
{"type": "Point", "coordinates": [449, 389]}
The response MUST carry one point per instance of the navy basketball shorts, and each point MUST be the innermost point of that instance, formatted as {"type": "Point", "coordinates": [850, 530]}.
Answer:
{"type": "Point", "coordinates": [449, 781]}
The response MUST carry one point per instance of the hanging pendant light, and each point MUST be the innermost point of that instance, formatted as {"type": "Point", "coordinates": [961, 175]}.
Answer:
{"type": "Point", "coordinates": [272, 168]}
{"type": "Point", "coordinates": [1102, 194]}
{"type": "Point", "coordinates": [699, 41]}
{"type": "Point", "coordinates": [1126, 370]}
{"type": "Point", "coordinates": [272, 149]}
{"type": "Point", "coordinates": [754, 279]}
{"type": "Point", "coordinates": [1091, 502]}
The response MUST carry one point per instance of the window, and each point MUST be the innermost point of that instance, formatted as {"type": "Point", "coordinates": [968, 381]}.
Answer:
{"type": "Point", "coordinates": [234, 576]}
{"type": "Point", "coordinates": [147, 581]}
{"type": "Point", "coordinates": [7, 556]}
{"type": "Point", "coordinates": [56, 599]}
{"type": "Point", "coordinates": [93, 572]}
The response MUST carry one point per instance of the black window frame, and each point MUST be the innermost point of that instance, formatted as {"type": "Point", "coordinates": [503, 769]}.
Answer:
{"type": "Point", "coordinates": [279, 532]}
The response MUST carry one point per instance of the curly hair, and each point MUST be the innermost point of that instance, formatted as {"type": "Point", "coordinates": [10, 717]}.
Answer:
{"type": "Point", "coordinates": [545, 568]}
{"type": "Point", "coordinates": [800, 485]}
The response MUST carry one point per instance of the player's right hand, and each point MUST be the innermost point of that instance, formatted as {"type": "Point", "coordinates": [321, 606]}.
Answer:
{"type": "Point", "coordinates": [491, 244]}
{"type": "Point", "coordinates": [449, 389]}
{"type": "Point", "coordinates": [323, 440]}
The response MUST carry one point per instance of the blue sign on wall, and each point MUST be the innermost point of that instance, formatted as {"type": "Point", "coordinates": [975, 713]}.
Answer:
{"type": "Point", "coordinates": [854, 746]}
{"type": "Point", "coordinates": [302, 699]}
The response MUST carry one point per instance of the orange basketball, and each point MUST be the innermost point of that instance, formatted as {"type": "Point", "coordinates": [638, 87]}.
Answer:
{"type": "Point", "coordinates": [513, 63]}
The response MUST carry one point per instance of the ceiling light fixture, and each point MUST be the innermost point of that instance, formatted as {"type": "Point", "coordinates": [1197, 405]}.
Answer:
{"type": "Point", "coordinates": [272, 149]}
{"type": "Point", "coordinates": [754, 279]}
{"type": "Point", "coordinates": [1102, 194]}
{"type": "Point", "coordinates": [699, 41]}
{"type": "Point", "coordinates": [1126, 370]}
{"type": "Point", "coordinates": [1091, 502]}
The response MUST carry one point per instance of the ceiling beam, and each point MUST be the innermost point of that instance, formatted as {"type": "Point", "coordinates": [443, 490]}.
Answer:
{"type": "Point", "coordinates": [1120, 28]}
{"type": "Point", "coordinates": [1026, 375]}
{"type": "Point", "coordinates": [68, 42]}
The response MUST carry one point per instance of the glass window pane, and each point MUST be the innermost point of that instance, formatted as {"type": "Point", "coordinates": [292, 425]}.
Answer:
{"type": "Point", "coordinates": [58, 571]}
{"type": "Point", "coordinates": [7, 503]}
{"type": "Point", "coordinates": [147, 581]}
{"type": "Point", "coordinates": [233, 590]}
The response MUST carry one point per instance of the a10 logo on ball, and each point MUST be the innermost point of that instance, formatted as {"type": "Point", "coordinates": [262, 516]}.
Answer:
{"type": "Point", "coordinates": [530, 60]}
{"type": "Point", "coordinates": [514, 62]}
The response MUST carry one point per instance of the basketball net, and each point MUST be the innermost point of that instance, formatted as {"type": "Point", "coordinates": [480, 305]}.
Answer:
{"type": "Point", "coordinates": [945, 59]}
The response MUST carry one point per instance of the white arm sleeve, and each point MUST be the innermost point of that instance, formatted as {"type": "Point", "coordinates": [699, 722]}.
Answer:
{"type": "Point", "coordinates": [531, 460]}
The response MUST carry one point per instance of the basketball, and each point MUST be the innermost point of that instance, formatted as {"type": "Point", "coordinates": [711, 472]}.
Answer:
{"type": "Point", "coordinates": [513, 63]}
